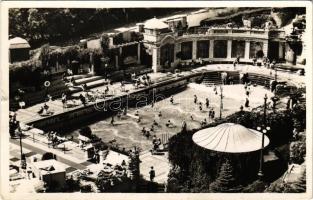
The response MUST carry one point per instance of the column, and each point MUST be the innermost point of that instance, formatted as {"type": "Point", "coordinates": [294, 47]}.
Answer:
{"type": "Point", "coordinates": [177, 48]}
{"type": "Point", "coordinates": [116, 63]}
{"type": "Point", "coordinates": [194, 49]}
{"type": "Point", "coordinates": [211, 49]}
{"type": "Point", "coordinates": [247, 50]}
{"type": "Point", "coordinates": [156, 59]}
{"type": "Point", "coordinates": [57, 66]}
{"type": "Point", "coordinates": [265, 48]}
{"type": "Point", "coordinates": [280, 50]}
{"type": "Point", "coordinates": [229, 43]}
{"type": "Point", "coordinates": [92, 66]}
{"type": "Point", "coordinates": [138, 54]}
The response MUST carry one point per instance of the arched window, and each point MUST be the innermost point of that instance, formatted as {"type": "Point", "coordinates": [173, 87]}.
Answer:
{"type": "Point", "coordinates": [167, 54]}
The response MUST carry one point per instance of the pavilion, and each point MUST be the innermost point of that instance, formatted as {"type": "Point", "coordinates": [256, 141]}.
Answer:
{"type": "Point", "coordinates": [232, 142]}
{"type": "Point", "coordinates": [19, 49]}
{"type": "Point", "coordinates": [230, 138]}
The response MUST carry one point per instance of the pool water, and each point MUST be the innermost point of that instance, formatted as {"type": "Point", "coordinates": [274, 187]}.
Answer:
{"type": "Point", "coordinates": [127, 131]}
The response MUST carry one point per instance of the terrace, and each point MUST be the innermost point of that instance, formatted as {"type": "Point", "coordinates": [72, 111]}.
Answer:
{"type": "Point", "coordinates": [236, 32]}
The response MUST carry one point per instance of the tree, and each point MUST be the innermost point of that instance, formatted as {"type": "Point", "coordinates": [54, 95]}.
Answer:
{"type": "Point", "coordinates": [298, 151]}
{"type": "Point", "coordinates": [44, 55]}
{"type": "Point", "coordinates": [134, 165]}
{"type": "Point", "coordinates": [37, 23]}
{"type": "Point", "coordinates": [256, 186]}
{"type": "Point", "coordinates": [294, 187]}
{"type": "Point", "coordinates": [42, 25]}
{"type": "Point", "coordinates": [225, 182]}
{"type": "Point", "coordinates": [105, 42]}
{"type": "Point", "coordinates": [86, 131]}
{"type": "Point", "coordinates": [300, 185]}
{"type": "Point", "coordinates": [103, 182]}
{"type": "Point", "coordinates": [48, 156]}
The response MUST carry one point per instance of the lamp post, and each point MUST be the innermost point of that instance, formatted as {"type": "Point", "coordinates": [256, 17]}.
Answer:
{"type": "Point", "coordinates": [263, 129]}
{"type": "Point", "coordinates": [21, 146]}
{"type": "Point", "coordinates": [23, 159]}
{"type": "Point", "coordinates": [221, 105]}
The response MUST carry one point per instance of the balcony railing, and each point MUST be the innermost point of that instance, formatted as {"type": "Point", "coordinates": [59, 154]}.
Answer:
{"type": "Point", "coordinates": [155, 38]}
{"type": "Point", "coordinates": [240, 32]}
{"type": "Point", "coordinates": [236, 32]}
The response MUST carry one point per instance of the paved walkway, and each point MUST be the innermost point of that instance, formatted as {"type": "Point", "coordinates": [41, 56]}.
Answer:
{"type": "Point", "coordinates": [69, 157]}
{"type": "Point", "coordinates": [160, 164]}
{"type": "Point", "coordinates": [15, 155]}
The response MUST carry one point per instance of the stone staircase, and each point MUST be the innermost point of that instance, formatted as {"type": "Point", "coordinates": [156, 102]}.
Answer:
{"type": "Point", "coordinates": [58, 87]}
{"type": "Point", "coordinates": [90, 80]}
{"type": "Point", "coordinates": [212, 78]}
{"type": "Point", "coordinates": [235, 75]}
{"type": "Point", "coordinates": [260, 79]}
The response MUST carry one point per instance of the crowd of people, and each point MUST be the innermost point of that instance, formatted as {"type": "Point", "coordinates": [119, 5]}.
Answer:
{"type": "Point", "coordinates": [45, 110]}
{"type": "Point", "coordinates": [143, 80]}
{"type": "Point", "coordinates": [54, 140]}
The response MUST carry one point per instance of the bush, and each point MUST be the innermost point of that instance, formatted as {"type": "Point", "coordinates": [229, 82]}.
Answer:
{"type": "Point", "coordinates": [257, 186]}
{"type": "Point", "coordinates": [86, 188]}
{"type": "Point", "coordinates": [86, 131]}
{"type": "Point", "coordinates": [71, 185]}
{"type": "Point", "coordinates": [298, 151]}
{"type": "Point", "coordinates": [225, 182]}
{"type": "Point", "coordinates": [48, 156]}
{"type": "Point", "coordinates": [178, 146]}
{"type": "Point", "coordinates": [173, 185]}
{"type": "Point", "coordinates": [27, 73]}
{"type": "Point", "coordinates": [298, 186]}
{"type": "Point", "coordinates": [299, 116]}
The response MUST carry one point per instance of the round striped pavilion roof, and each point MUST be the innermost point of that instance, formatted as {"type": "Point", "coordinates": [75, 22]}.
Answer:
{"type": "Point", "coordinates": [230, 138]}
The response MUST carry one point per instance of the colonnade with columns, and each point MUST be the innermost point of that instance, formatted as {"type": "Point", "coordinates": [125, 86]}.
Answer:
{"type": "Point", "coordinates": [120, 51]}
{"type": "Point", "coordinates": [229, 49]}
{"type": "Point", "coordinates": [229, 57]}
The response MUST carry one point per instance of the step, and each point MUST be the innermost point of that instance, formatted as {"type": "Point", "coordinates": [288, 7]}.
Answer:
{"type": "Point", "coordinates": [90, 85]}
{"type": "Point", "coordinates": [214, 81]}
{"type": "Point", "coordinates": [96, 83]}
{"type": "Point", "coordinates": [210, 79]}
{"type": "Point", "coordinates": [79, 76]}
{"type": "Point", "coordinates": [87, 80]}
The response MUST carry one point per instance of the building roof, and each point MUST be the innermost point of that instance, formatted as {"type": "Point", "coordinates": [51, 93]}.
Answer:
{"type": "Point", "coordinates": [49, 166]}
{"type": "Point", "coordinates": [155, 23]}
{"type": "Point", "coordinates": [122, 29]}
{"type": "Point", "coordinates": [176, 17]}
{"type": "Point", "coordinates": [18, 43]}
{"type": "Point", "coordinates": [230, 138]}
